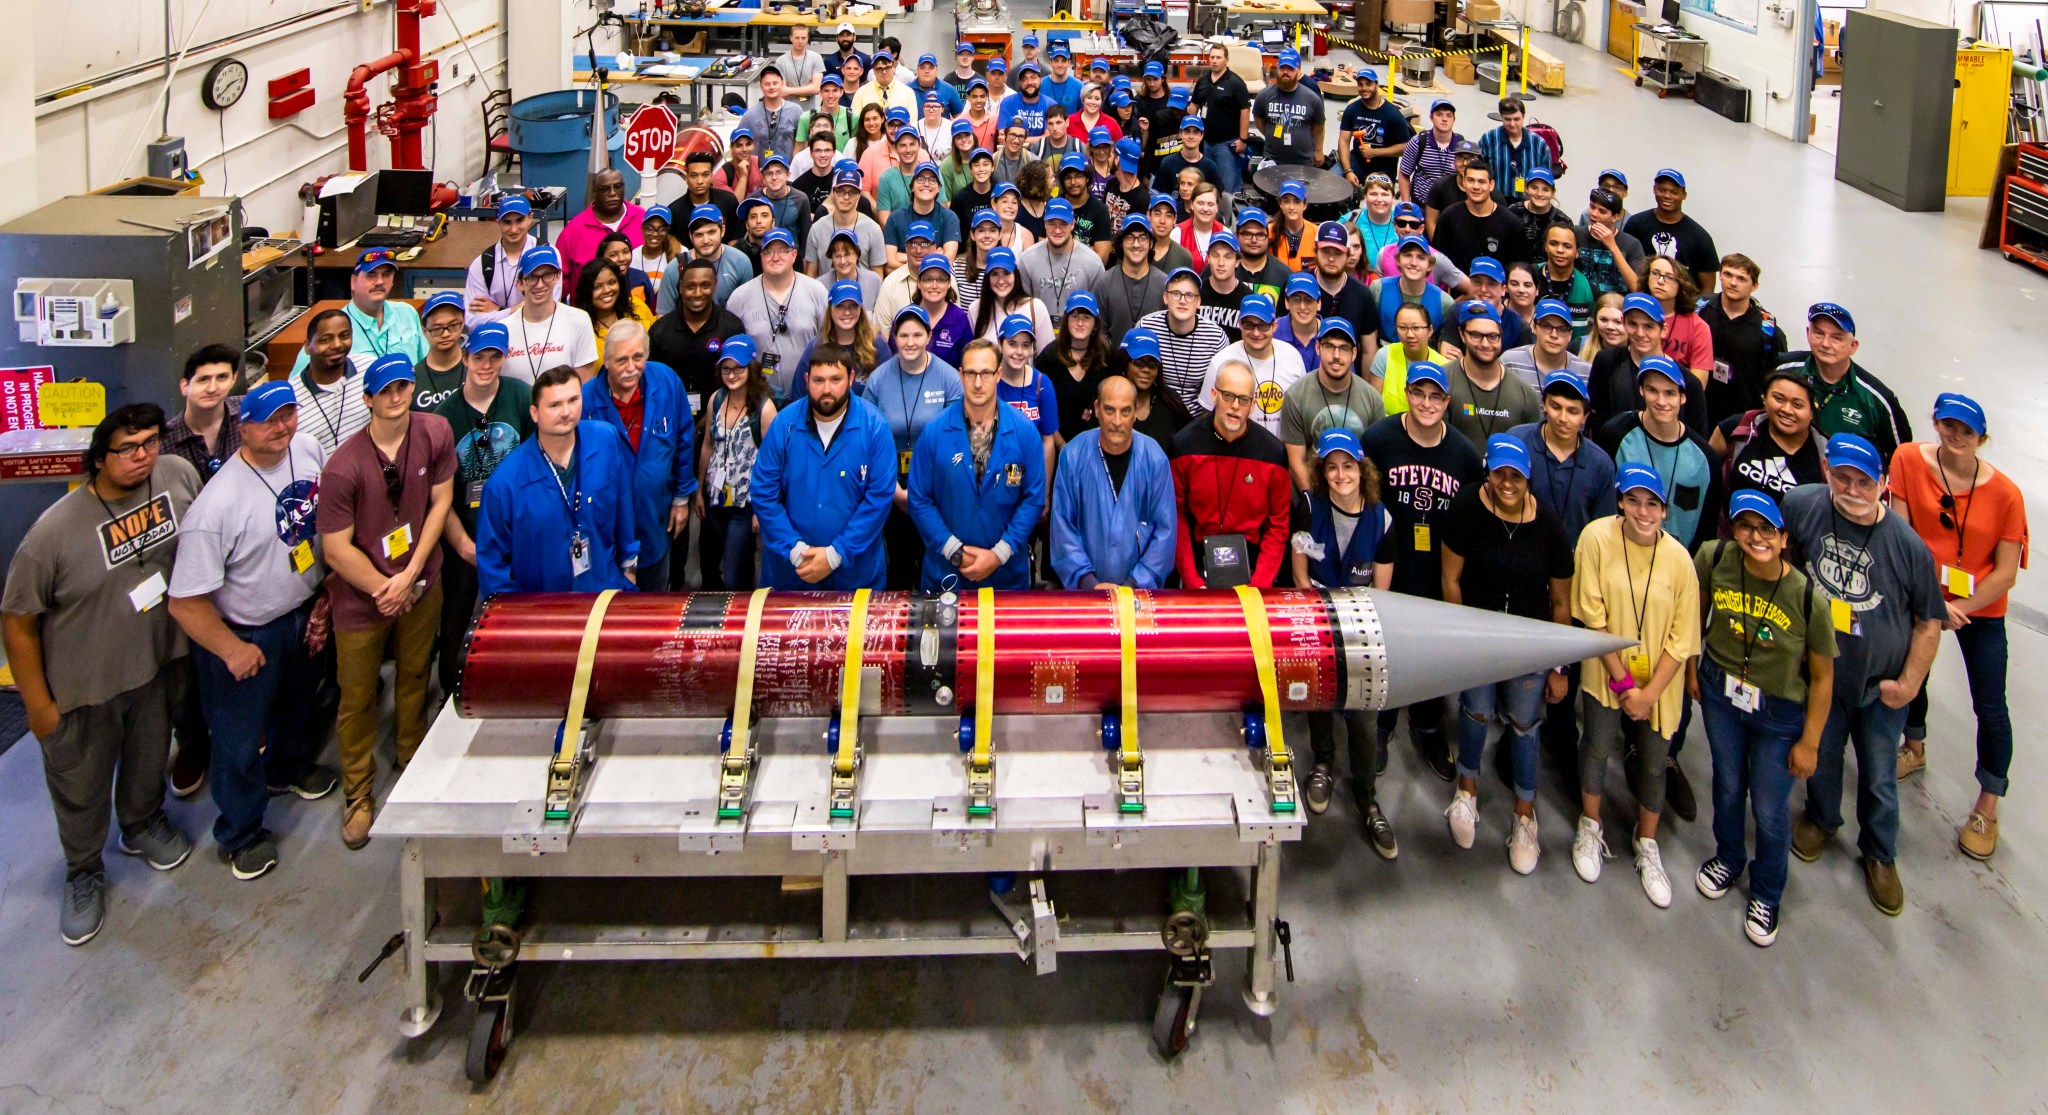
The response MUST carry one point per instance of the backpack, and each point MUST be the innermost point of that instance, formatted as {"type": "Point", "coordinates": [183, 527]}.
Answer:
{"type": "Point", "coordinates": [1556, 143]}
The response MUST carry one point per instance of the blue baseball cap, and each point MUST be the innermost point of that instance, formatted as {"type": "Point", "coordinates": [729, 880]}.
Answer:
{"type": "Point", "coordinates": [655, 212]}
{"type": "Point", "coordinates": [535, 258]}
{"type": "Point", "coordinates": [911, 311]}
{"type": "Point", "coordinates": [1411, 241]}
{"type": "Point", "coordinates": [1295, 189]}
{"type": "Point", "coordinates": [884, 55]}
{"type": "Point", "coordinates": [1031, 40]}
{"type": "Point", "coordinates": [1473, 309]}
{"type": "Point", "coordinates": [1016, 325]}
{"type": "Point", "coordinates": [1442, 105]}
{"type": "Point", "coordinates": [778, 235]}
{"type": "Point", "coordinates": [1118, 98]}
{"type": "Point", "coordinates": [739, 133]}
{"type": "Point", "coordinates": [710, 213]}
{"type": "Point", "coordinates": [1301, 282]}
{"type": "Point", "coordinates": [387, 370]}
{"type": "Point", "coordinates": [1290, 59]}
{"type": "Point", "coordinates": [980, 153]}
{"type": "Point", "coordinates": [1566, 381]}
{"type": "Point", "coordinates": [989, 217]}
{"type": "Point", "coordinates": [1667, 174]}
{"type": "Point", "coordinates": [1853, 451]}
{"type": "Point", "coordinates": [1099, 63]}
{"type": "Point", "coordinates": [1028, 68]}
{"type": "Point", "coordinates": [1507, 451]}
{"type": "Point", "coordinates": [1618, 176]}
{"type": "Point", "coordinates": [1002, 258]}
{"type": "Point", "coordinates": [963, 47]}
{"type": "Point", "coordinates": [832, 78]}
{"type": "Point", "coordinates": [1127, 163]}
{"type": "Point", "coordinates": [1058, 50]}
{"type": "Point", "coordinates": [446, 300]}
{"type": "Point", "coordinates": [962, 128]}
{"type": "Point", "coordinates": [1960, 408]}
{"type": "Point", "coordinates": [1177, 98]}
{"type": "Point", "coordinates": [1330, 232]}
{"type": "Point", "coordinates": [266, 399]}
{"type": "Point", "coordinates": [749, 205]}
{"type": "Point", "coordinates": [937, 262]}
{"type": "Point", "coordinates": [1407, 209]}
{"type": "Point", "coordinates": [1758, 504]}
{"type": "Point", "coordinates": [1337, 439]}
{"type": "Point", "coordinates": [921, 230]}
{"type": "Point", "coordinates": [738, 349]}
{"type": "Point", "coordinates": [1551, 307]}
{"type": "Point", "coordinates": [1255, 307]}
{"type": "Point", "coordinates": [927, 59]}
{"type": "Point", "coordinates": [1098, 136]}
{"type": "Point", "coordinates": [1338, 325]}
{"type": "Point", "coordinates": [1058, 209]}
{"type": "Point", "coordinates": [514, 204]}
{"type": "Point", "coordinates": [1426, 372]}
{"type": "Point", "coordinates": [774, 159]}
{"type": "Point", "coordinates": [1645, 304]}
{"type": "Point", "coordinates": [1134, 222]}
{"type": "Point", "coordinates": [374, 258]}
{"type": "Point", "coordinates": [998, 66]}
{"type": "Point", "coordinates": [923, 168]}
{"type": "Point", "coordinates": [1139, 344]}
{"type": "Point", "coordinates": [1073, 160]}
{"type": "Point", "coordinates": [1226, 238]}
{"type": "Point", "coordinates": [1253, 215]}
{"type": "Point", "coordinates": [1662, 365]}
{"type": "Point", "coordinates": [1488, 267]}
{"type": "Point", "coordinates": [1538, 174]}
{"type": "Point", "coordinates": [1005, 188]}
{"type": "Point", "coordinates": [846, 290]}
{"type": "Point", "coordinates": [1165, 199]}
{"type": "Point", "coordinates": [842, 178]}
{"type": "Point", "coordinates": [929, 98]}
{"type": "Point", "coordinates": [1155, 69]}
{"type": "Point", "coordinates": [896, 114]}
{"type": "Point", "coordinates": [1832, 311]}
{"type": "Point", "coordinates": [1083, 301]}
{"type": "Point", "coordinates": [977, 82]}
{"type": "Point", "coordinates": [491, 336]}
{"type": "Point", "coordinates": [1636, 475]}
{"type": "Point", "coordinates": [1366, 73]}
{"type": "Point", "coordinates": [1188, 273]}
{"type": "Point", "coordinates": [1121, 81]}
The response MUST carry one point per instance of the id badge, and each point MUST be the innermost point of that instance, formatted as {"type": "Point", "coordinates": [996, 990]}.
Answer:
{"type": "Point", "coordinates": [302, 557]}
{"type": "Point", "coordinates": [399, 542]}
{"type": "Point", "coordinates": [149, 593]}
{"type": "Point", "coordinates": [476, 494]}
{"type": "Point", "coordinates": [1723, 373]}
{"type": "Point", "coordinates": [1520, 186]}
{"type": "Point", "coordinates": [1844, 617]}
{"type": "Point", "coordinates": [1744, 696]}
{"type": "Point", "coordinates": [579, 554]}
{"type": "Point", "coordinates": [903, 463]}
{"type": "Point", "coordinates": [1958, 582]}
{"type": "Point", "coordinates": [1639, 666]}
{"type": "Point", "coordinates": [1422, 538]}
{"type": "Point", "coordinates": [1280, 132]}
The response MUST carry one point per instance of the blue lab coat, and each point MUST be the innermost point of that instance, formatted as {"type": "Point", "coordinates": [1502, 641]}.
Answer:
{"type": "Point", "coordinates": [524, 525]}
{"type": "Point", "coordinates": [948, 504]}
{"type": "Point", "coordinates": [664, 469]}
{"type": "Point", "coordinates": [1122, 538]}
{"type": "Point", "coordinates": [805, 492]}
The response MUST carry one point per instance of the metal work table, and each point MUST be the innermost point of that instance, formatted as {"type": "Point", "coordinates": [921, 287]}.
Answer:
{"type": "Point", "coordinates": [906, 878]}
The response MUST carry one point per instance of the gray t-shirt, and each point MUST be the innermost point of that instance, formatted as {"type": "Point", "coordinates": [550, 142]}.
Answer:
{"type": "Point", "coordinates": [782, 328]}
{"type": "Point", "coordinates": [1050, 280]}
{"type": "Point", "coordinates": [77, 569]}
{"type": "Point", "coordinates": [1884, 574]}
{"type": "Point", "coordinates": [1522, 362]}
{"type": "Point", "coordinates": [874, 253]}
{"type": "Point", "coordinates": [236, 544]}
{"type": "Point", "coordinates": [1286, 121]}
{"type": "Point", "coordinates": [1123, 299]}
{"type": "Point", "coordinates": [1480, 414]}
{"type": "Point", "coordinates": [1311, 408]}
{"type": "Point", "coordinates": [797, 70]}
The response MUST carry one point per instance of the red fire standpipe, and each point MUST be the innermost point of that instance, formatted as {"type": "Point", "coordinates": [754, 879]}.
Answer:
{"type": "Point", "coordinates": [412, 91]}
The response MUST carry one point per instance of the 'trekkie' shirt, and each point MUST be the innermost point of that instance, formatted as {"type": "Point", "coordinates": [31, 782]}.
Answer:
{"type": "Point", "coordinates": [1417, 485]}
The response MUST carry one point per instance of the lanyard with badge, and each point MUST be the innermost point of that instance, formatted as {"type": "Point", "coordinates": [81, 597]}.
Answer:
{"type": "Point", "coordinates": [301, 552]}
{"type": "Point", "coordinates": [536, 360]}
{"type": "Point", "coordinates": [579, 546]}
{"type": "Point", "coordinates": [1955, 515]}
{"type": "Point", "coordinates": [1639, 656]}
{"type": "Point", "coordinates": [398, 542]}
{"type": "Point", "coordinates": [1741, 692]}
{"type": "Point", "coordinates": [341, 413]}
{"type": "Point", "coordinates": [1839, 610]}
{"type": "Point", "coordinates": [150, 592]}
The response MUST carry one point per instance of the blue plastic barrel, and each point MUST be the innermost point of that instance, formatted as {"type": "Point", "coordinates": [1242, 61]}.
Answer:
{"type": "Point", "coordinates": [551, 132]}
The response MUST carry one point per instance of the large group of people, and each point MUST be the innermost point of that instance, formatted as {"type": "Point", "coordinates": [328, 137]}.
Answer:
{"type": "Point", "coordinates": [1002, 329]}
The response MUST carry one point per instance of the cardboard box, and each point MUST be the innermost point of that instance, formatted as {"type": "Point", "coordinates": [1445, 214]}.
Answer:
{"type": "Point", "coordinates": [1481, 11]}
{"type": "Point", "coordinates": [1460, 68]}
{"type": "Point", "coordinates": [1410, 11]}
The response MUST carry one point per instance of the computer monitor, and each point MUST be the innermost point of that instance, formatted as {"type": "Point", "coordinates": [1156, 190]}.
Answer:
{"type": "Point", "coordinates": [1672, 8]}
{"type": "Point", "coordinates": [405, 193]}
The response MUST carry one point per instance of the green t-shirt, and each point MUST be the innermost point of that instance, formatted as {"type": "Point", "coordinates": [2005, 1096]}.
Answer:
{"type": "Point", "coordinates": [432, 388]}
{"type": "Point", "coordinates": [1763, 619]}
{"type": "Point", "coordinates": [483, 440]}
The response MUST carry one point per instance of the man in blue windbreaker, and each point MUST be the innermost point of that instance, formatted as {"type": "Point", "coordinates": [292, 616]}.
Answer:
{"type": "Point", "coordinates": [823, 482]}
{"type": "Point", "coordinates": [557, 513]}
{"type": "Point", "coordinates": [646, 404]}
{"type": "Point", "coordinates": [977, 482]}
{"type": "Point", "coordinates": [1113, 515]}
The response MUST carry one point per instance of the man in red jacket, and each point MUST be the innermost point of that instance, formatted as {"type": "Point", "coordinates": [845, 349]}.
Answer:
{"type": "Point", "coordinates": [1232, 490]}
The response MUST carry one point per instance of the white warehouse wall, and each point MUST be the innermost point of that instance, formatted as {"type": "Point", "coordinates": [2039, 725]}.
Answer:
{"type": "Point", "coordinates": [91, 126]}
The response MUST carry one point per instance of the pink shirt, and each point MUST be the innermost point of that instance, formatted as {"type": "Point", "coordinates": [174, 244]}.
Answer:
{"type": "Point", "coordinates": [1688, 341]}
{"type": "Point", "coordinates": [579, 238]}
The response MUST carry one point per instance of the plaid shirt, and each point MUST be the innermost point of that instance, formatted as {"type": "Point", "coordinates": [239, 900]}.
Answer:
{"type": "Point", "coordinates": [179, 438]}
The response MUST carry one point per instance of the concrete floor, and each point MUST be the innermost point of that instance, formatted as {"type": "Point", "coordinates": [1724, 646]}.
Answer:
{"type": "Point", "coordinates": [1441, 982]}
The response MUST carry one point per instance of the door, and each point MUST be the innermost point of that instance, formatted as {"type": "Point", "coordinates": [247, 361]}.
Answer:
{"type": "Point", "coordinates": [1621, 31]}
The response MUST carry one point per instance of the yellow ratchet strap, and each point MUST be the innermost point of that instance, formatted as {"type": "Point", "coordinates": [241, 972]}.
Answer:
{"type": "Point", "coordinates": [562, 769]}
{"type": "Point", "coordinates": [739, 755]}
{"type": "Point", "coordinates": [847, 760]}
{"type": "Point", "coordinates": [981, 764]}
{"type": "Point", "coordinates": [1130, 760]}
{"type": "Point", "coordinates": [1280, 765]}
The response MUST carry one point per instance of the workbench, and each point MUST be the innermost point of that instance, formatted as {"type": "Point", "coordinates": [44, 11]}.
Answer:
{"type": "Point", "coordinates": [1056, 868]}
{"type": "Point", "coordinates": [695, 90]}
{"type": "Point", "coordinates": [1226, 18]}
{"type": "Point", "coordinates": [443, 262]}
{"type": "Point", "coordinates": [758, 26]}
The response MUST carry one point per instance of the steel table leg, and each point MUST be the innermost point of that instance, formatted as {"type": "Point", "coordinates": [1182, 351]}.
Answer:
{"type": "Point", "coordinates": [422, 1005]}
{"type": "Point", "coordinates": [835, 896]}
{"type": "Point", "coordinates": [1258, 989]}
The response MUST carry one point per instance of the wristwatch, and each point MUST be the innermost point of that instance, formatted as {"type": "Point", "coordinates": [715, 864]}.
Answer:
{"type": "Point", "coordinates": [959, 558]}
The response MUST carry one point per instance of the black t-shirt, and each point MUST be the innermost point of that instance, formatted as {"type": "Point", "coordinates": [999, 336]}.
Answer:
{"type": "Point", "coordinates": [1463, 236]}
{"type": "Point", "coordinates": [1353, 304]}
{"type": "Point", "coordinates": [1746, 349]}
{"type": "Point", "coordinates": [1271, 279]}
{"type": "Point", "coordinates": [1685, 241]}
{"type": "Point", "coordinates": [1612, 383]}
{"type": "Point", "coordinates": [967, 203]}
{"type": "Point", "coordinates": [817, 187]}
{"type": "Point", "coordinates": [1164, 138]}
{"type": "Point", "coordinates": [1075, 398]}
{"type": "Point", "coordinates": [1381, 126]}
{"type": "Point", "coordinates": [1220, 308]}
{"type": "Point", "coordinates": [1536, 224]}
{"type": "Point", "coordinates": [1119, 465]}
{"type": "Point", "coordinates": [1091, 223]}
{"type": "Point", "coordinates": [1121, 203]}
{"type": "Point", "coordinates": [728, 210]}
{"type": "Point", "coordinates": [1443, 194]}
{"type": "Point", "coordinates": [1417, 486]}
{"type": "Point", "coordinates": [1508, 566]}
{"type": "Point", "coordinates": [692, 353]}
{"type": "Point", "coordinates": [1761, 464]}
{"type": "Point", "coordinates": [1223, 104]}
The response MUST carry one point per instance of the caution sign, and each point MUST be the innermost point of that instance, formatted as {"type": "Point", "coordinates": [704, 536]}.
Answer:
{"type": "Point", "coordinates": [127, 536]}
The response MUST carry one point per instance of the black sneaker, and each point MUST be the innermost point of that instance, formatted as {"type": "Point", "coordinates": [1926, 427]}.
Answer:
{"type": "Point", "coordinates": [1379, 764]}
{"type": "Point", "coordinates": [1714, 878]}
{"type": "Point", "coordinates": [254, 859]}
{"type": "Point", "coordinates": [316, 783]}
{"type": "Point", "coordinates": [1760, 924]}
{"type": "Point", "coordinates": [1320, 783]}
{"type": "Point", "coordinates": [1438, 753]}
{"type": "Point", "coordinates": [159, 842]}
{"type": "Point", "coordinates": [1678, 792]}
{"type": "Point", "coordinates": [1380, 833]}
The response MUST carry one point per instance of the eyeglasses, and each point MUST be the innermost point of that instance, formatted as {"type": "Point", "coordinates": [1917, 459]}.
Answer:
{"type": "Point", "coordinates": [1183, 294]}
{"type": "Point", "coordinates": [138, 450]}
{"type": "Point", "coordinates": [445, 329]}
{"type": "Point", "coordinates": [978, 374]}
{"type": "Point", "coordinates": [1493, 338]}
{"type": "Point", "coordinates": [1232, 398]}
{"type": "Point", "coordinates": [1407, 222]}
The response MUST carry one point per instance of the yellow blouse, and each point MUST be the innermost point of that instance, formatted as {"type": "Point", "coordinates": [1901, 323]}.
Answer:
{"type": "Point", "coordinates": [1647, 593]}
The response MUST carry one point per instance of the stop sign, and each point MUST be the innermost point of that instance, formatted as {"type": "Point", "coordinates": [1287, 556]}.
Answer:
{"type": "Point", "coordinates": [650, 138]}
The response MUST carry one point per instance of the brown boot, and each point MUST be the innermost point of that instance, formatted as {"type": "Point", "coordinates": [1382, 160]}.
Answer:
{"type": "Point", "coordinates": [1809, 839]}
{"type": "Point", "coordinates": [1979, 837]}
{"type": "Point", "coordinates": [1882, 880]}
{"type": "Point", "coordinates": [355, 823]}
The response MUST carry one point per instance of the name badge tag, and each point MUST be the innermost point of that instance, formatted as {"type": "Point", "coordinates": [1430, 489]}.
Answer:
{"type": "Point", "coordinates": [903, 463]}
{"type": "Point", "coordinates": [149, 593]}
{"type": "Point", "coordinates": [1520, 187]}
{"type": "Point", "coordinates": [1422, 538]}
{"type": "Point", "coordinates": [1639, 666]}
{"type": "Point", "coordinates": [1959, 583]}
{"type": "Point", "coordinates": [399, 542]}
{"type": "Point", "coordinates": [302, 557]}
{"type": "Point", "coordinates": [579, 554]}
{"type": "Point", "coordinates": [476, 494]}
{"type": "Point", "coordinates": [1744, 696]}
{"type": "Point", "coordinates": [1844, 617]}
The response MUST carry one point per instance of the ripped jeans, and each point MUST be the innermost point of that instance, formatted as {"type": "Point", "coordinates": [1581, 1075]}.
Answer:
{"type": "Point", "coordinates": [1519, 703]}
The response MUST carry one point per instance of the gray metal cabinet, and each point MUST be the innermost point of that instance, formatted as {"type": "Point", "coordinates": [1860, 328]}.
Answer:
{"type": "Point", "coordinates": [1898, 88]}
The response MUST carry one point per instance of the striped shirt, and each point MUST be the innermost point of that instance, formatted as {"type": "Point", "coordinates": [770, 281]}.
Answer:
{"type": "Point", "coordinates": [332, 414]}
{"type": "Point", "coordinates": [1184, 358]}
{"type": "Point", "coordinates": [1424, 164]}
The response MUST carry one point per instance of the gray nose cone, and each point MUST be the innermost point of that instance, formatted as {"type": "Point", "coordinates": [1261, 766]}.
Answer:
{"type": "Point", "coordinates": [1432, 648]}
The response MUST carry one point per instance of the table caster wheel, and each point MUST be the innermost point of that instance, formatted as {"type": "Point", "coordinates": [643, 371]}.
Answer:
{"type": "Point", "coordinates": [1173, 1022]}
{"type": "Point", "coordinates": [1639, 83]}
{"type": "Point", "coordinates": [490, 1034]}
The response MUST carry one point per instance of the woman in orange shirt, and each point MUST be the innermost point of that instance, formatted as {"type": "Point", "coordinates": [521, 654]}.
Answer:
{"type": "Point", "coordinates": [1974, 520]}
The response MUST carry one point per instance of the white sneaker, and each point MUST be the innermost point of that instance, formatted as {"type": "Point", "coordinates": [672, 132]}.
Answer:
{"type": "Point", "coordinates": [1650, 866]}
{"type": "Point", "coordinates": [1588, 849]}
{"type": "Point", "coordinates": [1463, 814]}
{"type": "Point", "coordinates": [1522, 847]}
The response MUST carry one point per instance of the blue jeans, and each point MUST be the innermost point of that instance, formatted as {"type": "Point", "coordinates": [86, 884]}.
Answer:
{"type": "Point", "coordinates": [1518, 701]}
{"type": "Point", "coordinates": [1984, 656]}
{"type": "Point", "coordinates": [1751, 752]}
{"type": "Point", "coordinates": [1875, 729]}
{"type": "Point", "coordinates": [259, 725]}
{"type": "Point", "coordinates": [1229, 170]}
